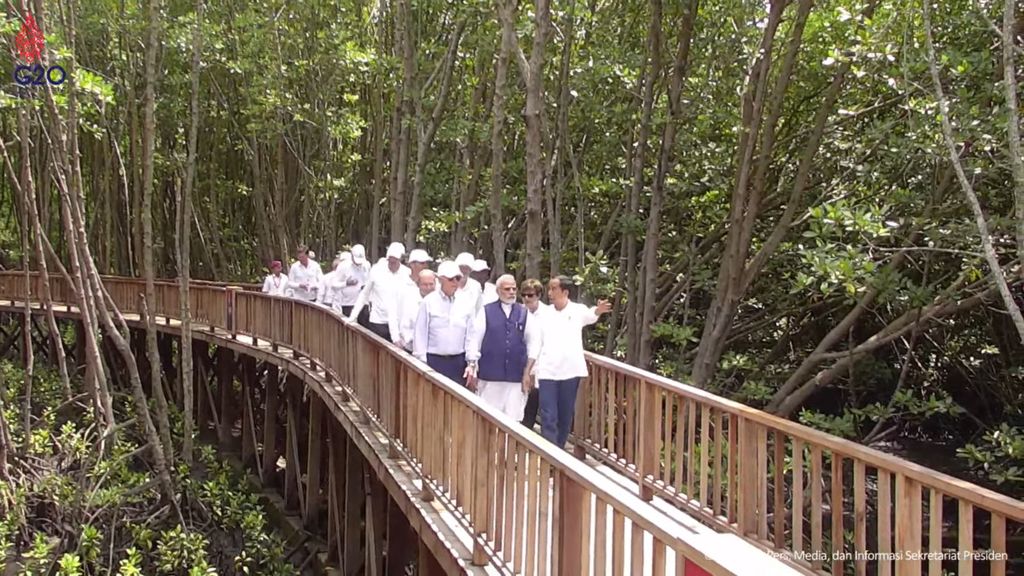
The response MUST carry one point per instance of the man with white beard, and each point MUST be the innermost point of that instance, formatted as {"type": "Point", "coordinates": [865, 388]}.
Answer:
{"type": "Point", "coordinates": [501, 349]}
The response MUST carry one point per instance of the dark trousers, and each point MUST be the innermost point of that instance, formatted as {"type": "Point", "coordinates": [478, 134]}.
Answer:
{"type": "Point", "coordinates": [557, 406]}
{"type": "Point", "coordinates": [532, 405]}
{"type": "Point", "coordinates": [381, 330]}
{"type": "Point", "coordinates": [451, 366]}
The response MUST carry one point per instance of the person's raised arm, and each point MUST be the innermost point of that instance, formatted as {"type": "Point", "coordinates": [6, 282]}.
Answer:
{"type": "Point", "coordinates": [364, 294]}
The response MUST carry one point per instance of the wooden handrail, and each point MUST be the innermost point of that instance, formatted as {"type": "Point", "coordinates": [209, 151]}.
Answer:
{"type": "Point", "coordinates": [734, 466]}
{"type": "Point", "coordinates": [508, 487]}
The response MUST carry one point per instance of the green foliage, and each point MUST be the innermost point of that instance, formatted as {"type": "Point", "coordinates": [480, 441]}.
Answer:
{"type": "Point", "coordinates": [1000, 455]}
{"type": "Point", "coordinates": [72, 504]}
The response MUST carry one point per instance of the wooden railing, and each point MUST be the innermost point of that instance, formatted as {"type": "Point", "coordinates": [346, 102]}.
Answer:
{"type": "Point", "coordinates": [527, 504]}
{"type": "Point", "coordinates": [822, 502]}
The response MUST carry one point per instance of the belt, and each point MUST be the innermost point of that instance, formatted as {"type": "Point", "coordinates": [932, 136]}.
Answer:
{"type": "Point", "coordinates": [447, 355]}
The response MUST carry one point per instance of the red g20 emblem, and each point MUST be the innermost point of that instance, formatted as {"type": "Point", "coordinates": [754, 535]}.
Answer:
{"type": "Point", "coordinates": [31, 43]}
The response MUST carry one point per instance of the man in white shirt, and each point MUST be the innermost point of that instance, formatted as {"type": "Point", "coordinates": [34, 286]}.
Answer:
{"type": "Point", "coordinates": [381, 291]}
{"type": "Point", "coordinates": [409, 310]}
{"type": "Point", "coordinates": [465, 262]}
{"type": "Point", "coordinates": [561, 363]}
{"type": "Point", "coordinates": [352, 275]}
{"type": "Point", "coordinates": [530, 292]}
{"type": "Point", "coordinates": [276, 284]}
{"type": "Point", "coordinates": [304, 276]}
{"type": "Point", "coordinates": [332, 284]}
{"type": "Point", "coordinates": [482, 274]}
{"type": "Point", "coordinates": [442, 326]}
{"type": "Point", "coordinates": [409, 296]}
{"type": "Point", "coordinates": [501, 349]}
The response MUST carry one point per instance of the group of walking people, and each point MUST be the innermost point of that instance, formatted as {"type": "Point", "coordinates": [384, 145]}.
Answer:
{"type": "Point", "coordinates": [498, 339]}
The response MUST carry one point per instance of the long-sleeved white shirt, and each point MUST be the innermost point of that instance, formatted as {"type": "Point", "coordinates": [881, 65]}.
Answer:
{"type": "Point", "coordinates": [329, 293]}
{"type": "Point", "coordinates": [442, 324]}
{"type": "Point", "coordinates": [276, 285]}
{"type": "Point", "coordinates": [349, 292]}
{"type": "Point", "coordinates": [561, 352]}
{"type": "Point", "coordinates": [531, 333]}
{"type": "Point", "coordinates": [409, 301]}
{"type": "Point", "coordinates": [489, 294]}
{"type": "Point", "coordinates": [309, 275]}
{"type": "Point", "coordinates": [381, 291]}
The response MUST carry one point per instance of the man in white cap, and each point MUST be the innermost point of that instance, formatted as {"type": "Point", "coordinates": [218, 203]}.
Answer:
{"type": "Point", "coordinates": [481, 272]}
{"type": "Point", "coordinates": [409, 298]}
{"type": "Point", "coordinates": [502, 347]}
{"type": "Point", "coordinates": [304, 276]}
{"type": "Point", "coordinates": [381, 291]}
{"type": "Point", "coordinates": [442, 326]}
{"type": "Point", "coordinates": [352, 275]}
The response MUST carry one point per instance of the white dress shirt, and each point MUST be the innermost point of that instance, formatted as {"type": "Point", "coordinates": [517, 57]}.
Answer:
{"type": "Point", "coordinates": [490, 294]}
{"type": "Point", "coordinates": [561, 353]}
{"type": "Point", "coordinates": [381, 290]}
{"type": "Point", "coordinates": [309, 275]}
{"type": "Point", "coordinates": [442, 325]}
{"type": "Point", "coordinates": [328, 292]}
{"type": "Point", "coordinates": [276, 285]}
{"type": "Point", "coordinates": [409, 302]}
{"type": "Point", "coordinates": [349, 293]}
{"type": "Point", "coordinates": [475, 338]}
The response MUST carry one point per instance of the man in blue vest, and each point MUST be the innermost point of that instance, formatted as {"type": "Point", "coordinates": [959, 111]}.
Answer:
{"type": "Point", "coordinates": [501, 349]}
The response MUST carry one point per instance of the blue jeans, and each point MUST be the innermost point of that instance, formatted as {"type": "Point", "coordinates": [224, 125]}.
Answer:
{"type": "Point", "coordinates": [557, 406]}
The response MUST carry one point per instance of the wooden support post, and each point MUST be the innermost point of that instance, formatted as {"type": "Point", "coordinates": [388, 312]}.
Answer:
{"type": "Point", "coordinates": [271, 451]}
{"type": "Point", "coordinates": [230, 293]}
{"type": "Point", "coordinates": [200, 384]}
{"type": "Point", "coordinates": [293, 425]}
{"type": "Point", "coordinates": [336, 494]}
{"type": "Point", "coordinates": [80, 362]}
{"type": "Point", "coordinates": [568, 533]}
{"type": "Point", "coordinates": [311, 516]}
{"type": "Point", "coordinates": [226, 388]}
{"type": "Point", "coordinates": [427, 564]}
{"type": "Point", "coordinates": [250, 382]}
{"type": "Point", "coordinates": [165, 345]}
{"type": "Point", "coordinates": [648, 440]}
{"type": "Point", "coordinates": [401, 541]}
{"type": "Point", "coordinates": [376, 523]}
{"type": "Point", "coordinates": [747, 479]}
{"type": "Point", "coordinates": [355, 504]}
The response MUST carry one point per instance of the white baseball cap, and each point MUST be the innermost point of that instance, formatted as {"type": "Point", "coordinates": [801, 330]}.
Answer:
{"type": "Point", "coordinates": [449, 270]}
{"type": "Point", "coordinates": [358, 254]}
{"type": "Point", "coordinates": [419, 255]}
{"type": "Point", "coordinates": [479, 266]}
{"type": "Point", "coordinates": [396, 250]}
{"type": "Point", "coordinates": [464, 259]}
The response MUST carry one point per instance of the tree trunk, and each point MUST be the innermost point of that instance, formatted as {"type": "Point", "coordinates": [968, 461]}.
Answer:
{"type": "Point", "coordinates": [653, 65]}
{"type": "Point", "coordinates": [972, 199]}
{"type": "Point", "coordinates": [666, 162]}
{"type": "Point", "coordinates": [184, 234]}
{"type": "Point", "coordinates": [508, 39]}
{"type": "Point", "coordinates": [426, 130]}
{"type": "Point", "coordinates": [533, 72]}
{"type": "Point", "coordinates": [28, 357]}
{"type": "Point", "coordinates": [564, 143]}
{"type": "Point", "coordinates": [148, 177]}
{"type": "Point", "coordinates": [1013, 120]}
{"type": "Point", "coordinates": [410, 94]}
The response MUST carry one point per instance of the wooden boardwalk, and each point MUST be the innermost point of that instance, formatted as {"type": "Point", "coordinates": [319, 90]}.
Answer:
{"type": "Point", "coordinates": [675, 481]}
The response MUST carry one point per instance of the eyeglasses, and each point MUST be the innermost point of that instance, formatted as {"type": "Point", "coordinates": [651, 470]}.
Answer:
{"type": "Point", "coordinates": [453, 279]}
{"type": "Point", "coordinates": [529, 294]}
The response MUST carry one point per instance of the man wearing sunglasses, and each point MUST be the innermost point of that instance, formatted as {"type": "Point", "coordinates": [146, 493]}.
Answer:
{"type": "Point", "coordinates": [442, 325]}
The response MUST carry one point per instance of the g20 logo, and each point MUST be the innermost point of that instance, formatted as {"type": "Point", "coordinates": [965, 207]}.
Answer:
{"type": "Point", "coordinates": [37, 75]}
